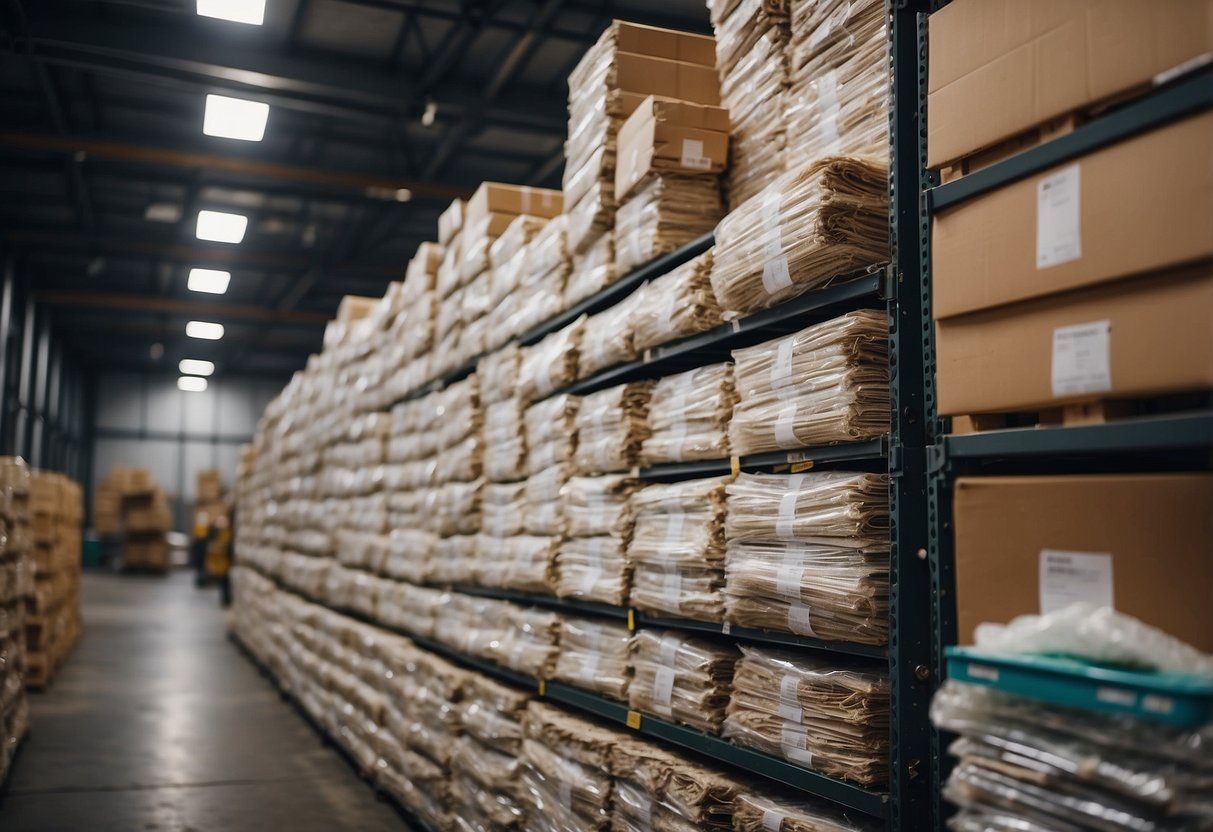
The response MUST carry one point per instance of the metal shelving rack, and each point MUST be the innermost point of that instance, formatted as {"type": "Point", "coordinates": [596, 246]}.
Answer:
{"type": "Point", "coordinates": [1169, 442]}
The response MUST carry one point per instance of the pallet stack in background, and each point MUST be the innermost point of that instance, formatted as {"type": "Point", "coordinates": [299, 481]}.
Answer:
{"type": "Point", "coordinates": [144, 518]}
{"type": "Point", "coordinates": [209, 500]}
{"type": "Point", "coordinates": [57, 527]}
{"type": "Point", "coordinates": [1072, 290]}
{"type": "Point", "coordinates": [16, 595]}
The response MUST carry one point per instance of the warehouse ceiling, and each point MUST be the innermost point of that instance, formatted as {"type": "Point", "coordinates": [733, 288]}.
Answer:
{"type": "Point", "coordinates": [380, 111]}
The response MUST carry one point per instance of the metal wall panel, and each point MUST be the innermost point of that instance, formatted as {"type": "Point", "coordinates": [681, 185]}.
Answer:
{"type": "Point", "coordinates": [120, 401]}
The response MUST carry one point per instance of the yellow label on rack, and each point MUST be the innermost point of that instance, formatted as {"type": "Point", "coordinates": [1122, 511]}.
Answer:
{"type": "Point", "coordinates": [543, 687]}
{"type": "Point", "coordinates": [634, 720]}
{"type": "Point", "coordinates": [797, 467]}
{"type": "Point", "coordinates": [735, 465]}
{"type": "Point", "coordinates": [631, 620]}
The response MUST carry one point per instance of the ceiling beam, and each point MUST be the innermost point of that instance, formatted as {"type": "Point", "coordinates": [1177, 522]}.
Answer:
{"type": "Point", "coordinates": [363, 183]}
{"type": "Point", "coordinates": [185, 308]}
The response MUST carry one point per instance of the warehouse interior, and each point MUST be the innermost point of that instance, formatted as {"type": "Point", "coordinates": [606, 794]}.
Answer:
{"type": "Point", "coordinates": [562, 416]}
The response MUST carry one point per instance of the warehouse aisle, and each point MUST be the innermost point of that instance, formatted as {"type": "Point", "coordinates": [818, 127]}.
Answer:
{"type": "Point", "coordinates": [157, 723]}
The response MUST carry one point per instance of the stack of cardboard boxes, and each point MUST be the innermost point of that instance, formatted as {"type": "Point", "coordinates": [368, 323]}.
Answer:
{"type": "Point", "coordinates": [209, 502]}
{"type": "Point", "coordinates": [143, 517]}
{"type": "Point", "coordinates": [16, 593]}
{"type": "Point", "coordinates": [56, 509]}
{"type": "Point", "coordinates": [1080, 294]}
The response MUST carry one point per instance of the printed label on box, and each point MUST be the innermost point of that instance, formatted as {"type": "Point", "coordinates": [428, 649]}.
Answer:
{"type": "Point", "coordinates": [1082, 361]}
{"type": "Point", "coordinates": [692, 155]}
{"type": "Point", "coordinates": [1058, 219]}
{"type": "Point", "coordinates": [1072, 577]}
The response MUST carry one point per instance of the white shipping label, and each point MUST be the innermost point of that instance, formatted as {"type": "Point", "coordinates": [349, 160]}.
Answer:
{"type": "Point", "coordinates": [674, 525]}
{"type": "Point", "coordinates": [1082, 359]}
{"type": "Point", "coordinates": [789, 699]}
{"type": "Point", "coordinates": [1058, 218]}
{"type": "Point", "coordinates": [1071, 577]}
{"type": "Point", "coordinates": [785, 423]}
{"type": "Point", "coordinates": [794, 740]}
{"type": "Point", "coordinates": [788, 580]}
{"type": "Point", "coordinates": [663, 690]}
{"type": "Point", "coordinates": [692, 155]}
{"type": "Point", "coordinates": [772, 820]}
{"type": "Point", "coordinates": [781, 370]}
{"type": "Point", "coordinates": [775, 274]}
{"type": "Point", "coordinates": [800, 620]}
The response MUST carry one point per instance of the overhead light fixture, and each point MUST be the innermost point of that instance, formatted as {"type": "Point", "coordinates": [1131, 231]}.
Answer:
{"type": "Point", "coordinates": [211, 281]}
{"type": "Point", "coordinates": [239, 11]}
{"type": "Point", "coordinates": [389, 194]}
{"type": "Point", "coordinates": [431, 113]}
{"type": "Point", "coordinates": [205, 330]}
{"type": "Point", "coordinates": [191, 384]}
{"type": "Point", "coordinates": [196, 367]}
{"type": "Point", "coordinates": [235, 118]}
{"type": "Point", "coordinates": [221, 227]}
{"type": "Point", "coordinates": [167, 212]}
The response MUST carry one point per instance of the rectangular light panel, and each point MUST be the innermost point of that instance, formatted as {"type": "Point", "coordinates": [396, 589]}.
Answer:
{"type": "Point", "coordinates": [205, 330]}
{"type": "Point", "coordinates": [235, 118]}
{"type": "Point", "coordinates": [191, 384]}
{"type": "Point", "coordinates": [221, 227]}
{"type": "Point", "coordinates": [239, 11]}
{"type": "Point", "coordinates": [211, 281]}
{"type": "Point", "coordinates": [196, 367]}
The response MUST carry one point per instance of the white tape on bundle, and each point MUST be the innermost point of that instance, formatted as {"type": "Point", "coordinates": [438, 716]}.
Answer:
{"type": "Point", "coordinates": [785, 426]}
{"type": "Point", "coordinates": [800, 619]}
{"type": "Point", "coordinates": [565, 790]}
{"type": "Point", "coordinates": [789, 699]}
{"type": "Point", "coordinates": [772, 820]}
{"type": "Point", "coordinates": [828, 111]}
{"type": "Point", "coordinates": [789, 578]}
{"type": "Point", "coordinates": [671, 590]}
{"type": "Point", "coordinates": [794, 742]}
{"type": "Point", "coordinates": [665, 314]}
{"type": "Point", "coordinates": [677, 439]}
{"type": "Point", "coordinates": [588, 671]}
{"type": "Point", "coordinates": [644, 809]}
{"type": "Point", "coordinates": [663, 691]}
{"type": "Point", "coordinates": [588, 580]}
{"type": "Point", "coordinates": [676, 403]}
{"type": "Point", "coordinates": [667, 649]}
{"type": "Point", "coordinates": [786, 517]}
{"type": "Point", "coordinates": [775, 273]}
{"type": "Point", "coordinates": [674, 525]}
{"type": "Point", "coordinates": [781, 370]}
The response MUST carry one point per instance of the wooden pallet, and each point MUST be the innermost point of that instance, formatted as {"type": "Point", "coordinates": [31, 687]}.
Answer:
{"type": "Point", "coordinates": [1095, 412]}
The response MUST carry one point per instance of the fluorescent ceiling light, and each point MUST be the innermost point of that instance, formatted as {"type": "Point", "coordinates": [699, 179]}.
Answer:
{"type": "Point", "coordinates": [196, 367]}
{"type": "Point", "coordinates": [240, 11]}
{"type": "Point", "coordinates": [191, 384]}
{"type": "Point", "coordinates": [204, 330]}
{"type": "Point", "coordinates": [221, 227]}
{"type": "Point", "coordinates": [235, 118]}
{"type": "Point", "coordinates": [211, 281]}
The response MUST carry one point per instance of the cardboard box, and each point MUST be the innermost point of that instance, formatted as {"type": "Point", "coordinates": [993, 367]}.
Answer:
{"type": "Point", "coordinates": [663, 134]}
{"type": "Point", "coordinates": [645, 75]}
{"type": "Point", "coordinates": [511, 200]}
{"type": "Point", "coordinates": [1001, 67]}
{"type": "Point", "coordinates": [665, 43]}
{"type": "Point", "coordinates": [138, 481]}
{"type": "Point", "coordinates": [1142, 539]}
{"type": "Point", "coordinates": [450, 221]}
{"type": "Point", "coordinates": [1144, 337]}
{"type": "Point", "coordinates": [1142, 205]}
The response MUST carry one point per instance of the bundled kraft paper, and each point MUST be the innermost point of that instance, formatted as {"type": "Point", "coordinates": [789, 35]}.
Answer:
{"type": "Point", "coordinates": [839, 99]}
{"type": "Point", "coordinates": [483, 806]}
{"type": "Point", "coordinates": [504, 440]}
{"type": "Point", "coordinates": [594, 656]}
{"type": "Point", "coordinates": [599, 505]}
{"type": "Point", "coordinates": [611, 425]}
{"type": "Point", "coordinates": [828, 383]}
{"type": "Point", "coordinates": [529, 645]}
{"type": "Point", "coordinates": [498, 374]}
{"type": "Point", "coordinates": [552, 363]}
{"type": "Point", "coordinates": [551, 432]}
{"type": "Point", "coordinates": [689, 416]}
{"type": "Point", "coordinates": [463, 462]}
{"type": "Point", "coordinates": [830, 508]}
{"type": "Point", "coordinates": [547, 486]}
{"type": "Point", "coordinates": [421, 274]}
{"type": "Point", "coordinates": [455, 560]}
{"type": "Point", "coordinates": [547, 256]}
{"type": "Point", "coordinates": [594, 569]}
{"type": "Point", "coordinates": [662, 789]}
{"type": "Point", "coordinates": [449, 275]}
{"type": "Point", "coordinates": [664, 212]}
{"type": "Point", "coordinates": [608, 337]}
{"type": "Point", "coordinates": [521, 230]}
{"type": "Point", "coordinates": [677, 549]}
{"type": "Point", "coordinates": [506, 278]}
{"type": "Point", "coordinates": [544, 518]}
{"type": "Point", "coordinates": [492, 713]}
{"type": "Point", "coordinates": [804, 229]}
{"type": "Point", "coordinates": [524, 562]}
{"type": "Point", "coordinates": [503, 509]}
{"type": "Point", "coordinates": [738, 24]}
{"type": "Point", "coordinates": [359, 550]}
{"type": "Point", "coordinates": [681, 678]}
{"type": "Point", "coordinates": [826, 592]}
{"type": "Point", "coordinates": [677, 304]}
{"type": "Point", "coordinates": [754, 811]}
{"type": "Point", "coordinates": [593, 269]}
{"type": "Point", "coordinates": [453, 508]}
{"type": "Point", "coordinates": [827, 716]}
{"type": "Point", "coordinates": [755, 94]}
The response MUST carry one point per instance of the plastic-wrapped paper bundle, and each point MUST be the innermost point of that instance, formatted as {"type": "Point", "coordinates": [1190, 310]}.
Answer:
{"type": "Point", "coordinates": [827, 383]}
{"type": "Point", "coordinates": [551, 432]}
{"type": "Point", "coordinates": [503, 509]}
{"type": "Point", "coordinates": [838, 102]}
{"type": "Point", "coordinates": [681, 678]}
{"type": "Point", "coordinates": [754, 811]}
{"type": "Point", "coordinates": [523, 562]}
{"type": "Point", "coordinates": [539, 293]}
{"type": "Point", "coordinates": [482, 786]}
{"type": "Point", "coordinates": [594, 656]}
{"type": "Point", "coordinates": [755, 93]}
{"type": "Point", "coordinates": [804, 229]}
{"type": "Point", "coordinates": [462, 462]}
{"type": "Point", "coordinates": [359, 550]}
{"type": "Point", "coordinates": [689, 416]}
{"type": "Point", "coordinates": [831, 508]}
{"type": "Point", "coordinates": [421, 274]}
{"type": "Point", "coordinates": [409, 553]}
{"type": "Point", "coordinates": [828, 592]}
{"type": "Point", "coordinates": [454, 560]}
{"type": "Point", "coordinates": [826, 715]}
{"type": "Point", "coordinates": [551, 364]}
{"type": "Point", "coordinates": [521, 230]}
{"type": "Point", "coordinates": [598, 505]}
{"type": "Point", "coordinates": [611, 425]}
{"type": "Point", "coordinates": [607, 339]}
{"type": "Point", "coordinates": [498, 373]}
{"type": "Point", "coordinates": [544, 509]}
{"type": "Point", "coordinates": [409, 607]}
{"type": "Point", "coordinates": [504, 440]}
{"type": "Point", "coordinates": [1028, 764]}
{"type": "Point", "coordinates": [593, 269]}
{"type": "Point", "coordinates": [676, 305]}
{"type": "Point", "coordinates": [449, 275]}
{"type": "Point", "coordinates": [677, 549]}
{"type": "Point", "coordinates": [492, 713]}
{"type": "Point", "coordinates": [566, 780]}
{"type": "Point", "coordinates": [594, 569]}
{"type": "Point", "coordinates": [738, 24]}
{"type": "Point", "coordinates": [659, 790]}
{"type": "Point", "coordinates": [664, 212]}
{"type": "Point", "coordinates": [529, 643]}
{"type": "Point", "coordinates": [453, 508]}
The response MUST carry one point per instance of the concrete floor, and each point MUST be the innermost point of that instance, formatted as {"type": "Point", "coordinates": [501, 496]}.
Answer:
{"type": "Point", "coordinates": [158, 724]}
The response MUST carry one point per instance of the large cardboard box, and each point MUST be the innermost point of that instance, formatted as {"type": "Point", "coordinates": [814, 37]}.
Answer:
{"type": "Point", "coordinates": [509, 201]}
{"type": "Point", "coordinates": [1142, 541]}
{"type": "Point", "coordinates": [209, 485]}
{"type": "Point", "coordinates": [1138, 206]}
{"type": "Point", "coordinates": [665, 43]}
{"type": "Point", "coordinates": [663, 134]}
{"type": "Point", "coordinates": [1144, 337]}
{"type": "Point", "coordinates": [1001, 67]}
{"type": "Point", "coordinates": [645, 75]}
